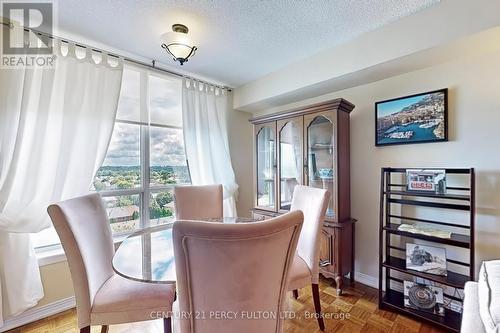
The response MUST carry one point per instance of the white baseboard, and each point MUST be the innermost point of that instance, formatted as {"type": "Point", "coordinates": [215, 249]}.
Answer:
{"type": "Point", "coordinates": [365, 279]}
{"type": "Point", "coordinates": [38, 313]}
{"type": "Point", "coordinates": [372, 281]}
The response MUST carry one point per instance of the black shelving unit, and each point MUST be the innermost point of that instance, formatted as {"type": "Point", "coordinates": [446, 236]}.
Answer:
{"type": "Point", "coordinates": [391, 256]}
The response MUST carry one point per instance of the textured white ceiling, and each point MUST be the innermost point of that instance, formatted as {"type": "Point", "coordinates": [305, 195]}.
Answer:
{"type": "Point", "coordinates": [238, 40]}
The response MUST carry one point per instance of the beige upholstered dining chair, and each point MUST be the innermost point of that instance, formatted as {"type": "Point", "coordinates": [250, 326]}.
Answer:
{"type": "Point", "coordinates": [313, 202]}
{"type": "Point", "coordinates": [235, 270]}
{"type": "Point", "coordinates": [198, 202]}
{"type": "Point", "coordinates": [103, 297]}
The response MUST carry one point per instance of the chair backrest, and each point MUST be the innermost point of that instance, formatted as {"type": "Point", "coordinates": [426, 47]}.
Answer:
{"type": "Point", "coordinates": [83, 227]}
{"type": "Point", "coordinates": [236, 269]}
{"type": "Point", "coordinates": [313, 202]}
{"type": "Point", "coordinates": [198, 202]}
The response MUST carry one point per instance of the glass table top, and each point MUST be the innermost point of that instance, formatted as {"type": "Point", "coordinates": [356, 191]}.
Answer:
{"type": "Point", "coordinates": [148, 255]}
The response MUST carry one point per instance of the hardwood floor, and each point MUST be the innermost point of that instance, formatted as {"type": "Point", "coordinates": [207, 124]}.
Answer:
{"type": "Point", "coordinates": [355, 311]}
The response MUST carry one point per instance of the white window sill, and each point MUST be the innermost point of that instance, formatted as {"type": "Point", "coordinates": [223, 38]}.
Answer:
{"type": "Point", "coordinates": [56, 253]}
{"type": "Point", "coordinates": [49, 257]}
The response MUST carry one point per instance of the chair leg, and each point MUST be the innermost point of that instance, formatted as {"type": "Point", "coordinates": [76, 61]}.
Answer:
{"type": "Point", "coordinates": [167, 325]}
{"type": "Point", "coordinates": [295, 293]}
{"type": "Point", "coordinates": [104, 328]}
{"type": "Point", "coordinates": [85, 329]}
{"type": "Point", "coordinates": [317, 306]}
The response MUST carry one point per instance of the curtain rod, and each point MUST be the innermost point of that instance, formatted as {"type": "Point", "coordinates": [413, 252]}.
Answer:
{"type": "Point", "coordinates": [115, 55]}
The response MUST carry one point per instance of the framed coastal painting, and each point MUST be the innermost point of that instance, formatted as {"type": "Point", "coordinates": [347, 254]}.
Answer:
{"type": "Point", "coordinates": [412, 119]}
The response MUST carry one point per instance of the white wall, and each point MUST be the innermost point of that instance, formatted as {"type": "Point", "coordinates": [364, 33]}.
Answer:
{"type": "Point", "coordinates": [240, 135]}
{"type": "Point", "coordinates": [372, 56]}
{"type": "Point", "coordinates": [57, 283]}
{"type": "Point", "coordinates": [474, 120]}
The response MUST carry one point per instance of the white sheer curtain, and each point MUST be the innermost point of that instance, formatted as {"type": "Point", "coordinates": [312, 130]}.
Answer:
{"type": "Point", "coordinates": [204, 112]}
{"type": "Point", "coordinates": [55, 127]}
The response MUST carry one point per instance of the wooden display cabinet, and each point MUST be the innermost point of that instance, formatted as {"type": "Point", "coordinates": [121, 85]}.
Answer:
{"type": "Point", "coordinates": [310, 146]}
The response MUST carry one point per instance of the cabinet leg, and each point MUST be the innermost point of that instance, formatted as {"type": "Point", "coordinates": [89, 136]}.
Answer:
{"type": "Point", "coordinates": [352, 251]}
{"type": "Point", "coordinates": [338, 283]}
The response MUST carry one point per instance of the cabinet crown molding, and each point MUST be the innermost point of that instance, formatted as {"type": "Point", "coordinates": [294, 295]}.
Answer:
{"type": "Point", "coordinates": [338, 103]}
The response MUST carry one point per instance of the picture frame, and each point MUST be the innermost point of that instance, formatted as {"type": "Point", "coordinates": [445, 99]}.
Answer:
{"type": "Point", "coordinates": [426, 180]}
{"type": "Point", "coordinates": [418, 118]}
{"type": "Point", "coordinates": [426, 259]}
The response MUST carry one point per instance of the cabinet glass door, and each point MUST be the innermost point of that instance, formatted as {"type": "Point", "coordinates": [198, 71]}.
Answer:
{"type": "Point", "coordinates": [321, 157]}
{"type": "Point", "coordinates": [266, 167]}
{"type": "Point", "coordinates": [290, 159]}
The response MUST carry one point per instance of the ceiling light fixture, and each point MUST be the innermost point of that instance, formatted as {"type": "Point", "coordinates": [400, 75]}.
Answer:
{"type": "Point", "coordinates": [177, 43]}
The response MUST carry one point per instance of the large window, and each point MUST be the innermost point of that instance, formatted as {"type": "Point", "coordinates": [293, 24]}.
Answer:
{"type": "Point", "coordinates": [145, 158]}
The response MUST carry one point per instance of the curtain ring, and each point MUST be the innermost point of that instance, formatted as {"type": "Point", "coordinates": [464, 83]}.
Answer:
{"type": "Point", "coordinates": [71, 50]}
{"type": "Point", "coordinates": [88, 54]}
{"type": "Point", "coordinates": [104, 59]}
{"type": "Point", "coordinates": [57, 46]}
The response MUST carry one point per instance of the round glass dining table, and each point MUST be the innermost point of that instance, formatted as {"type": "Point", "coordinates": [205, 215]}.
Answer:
{"type": "Point", "coordinates": [148, 255]}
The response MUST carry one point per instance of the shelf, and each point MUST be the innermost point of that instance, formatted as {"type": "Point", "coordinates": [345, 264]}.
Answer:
{"type": "Point", "coordinates": [430, 195]}
{"type": "Point", "coordinates": [453, 188]}
{"type": "Point", "coordinates": [454, 225]}
{"type": "Point", "coordinates": [320, 148]}
{"type": "Point", "coordinates": [453, 279]}
{"type": "Point", "coordinates": [429, 204]}
{"type": "Point", "coordinates": [447, 170]}
{"type": "Point", "coordinates": [394, 199]}
{"type": "Point", "coordinates": [395, 301]}
{"type": "Point", "coordinates": [330, 222]}
{"type": "Point", "coordinates": [458, 240]}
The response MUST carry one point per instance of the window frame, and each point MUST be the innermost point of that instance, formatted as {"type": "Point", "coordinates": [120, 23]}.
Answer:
{"type": "Point", "coordinates": [145, 189]}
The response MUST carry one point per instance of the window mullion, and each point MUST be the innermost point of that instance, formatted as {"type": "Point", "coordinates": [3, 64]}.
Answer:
{"type": "Point", "coordinates": [121, 192]}
{"type": "Point", "coordinates": [144, 102]}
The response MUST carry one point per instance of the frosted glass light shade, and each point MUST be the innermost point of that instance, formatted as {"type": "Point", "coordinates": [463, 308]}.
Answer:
{"type": "Point", "coordinates": [178, 45]}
